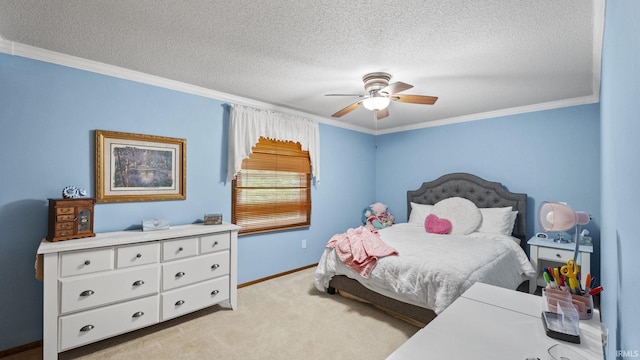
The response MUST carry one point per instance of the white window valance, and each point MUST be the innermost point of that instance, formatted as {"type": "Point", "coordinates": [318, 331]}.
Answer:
{"type": "Point", "coordinates": [247, 125]}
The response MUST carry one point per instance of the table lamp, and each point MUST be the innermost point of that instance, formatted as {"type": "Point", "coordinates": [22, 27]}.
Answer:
{"type": "Point", "coordinates": [555, 216]}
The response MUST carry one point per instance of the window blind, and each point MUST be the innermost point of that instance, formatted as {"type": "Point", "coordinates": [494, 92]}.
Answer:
{"type": "Point", "coordinates": [272, 191]}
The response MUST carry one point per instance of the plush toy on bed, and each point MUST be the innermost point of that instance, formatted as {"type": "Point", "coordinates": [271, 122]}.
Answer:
{"type": "Point", "coordinates": [376, 217]}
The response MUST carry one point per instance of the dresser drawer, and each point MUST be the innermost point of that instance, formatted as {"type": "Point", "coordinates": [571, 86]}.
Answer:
{"type": "Point", "coordinates": [190, 298]}
{"type": "Point", "coordinates": [214, 242]}
{"type": "Point", "coordinates": [62, 233]}
{"type": "Point", "coordinates": [65, 226]}
{"type": "Point", "coordinates": [91, 291]}
{"type": "Point", "coordinates": [93, 325]}
{"type": "Point", "coordinates": [189, 271]}
{"type": "Point", "coordinates": [178, 249]}
{"type": "Point", "coordinates": [65, 210]}
{"type": "Point", "coordinates": [559, 255]}
{"type": "Point", "coordinates": [137, 255]}
{"type": "Point", "coordinates": [85, 262]}
{"type": "Point", "coordinates": [61, 218]}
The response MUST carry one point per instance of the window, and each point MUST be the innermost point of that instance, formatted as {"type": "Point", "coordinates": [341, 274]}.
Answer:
{"type": "Point", "coordinates": [272, 191]}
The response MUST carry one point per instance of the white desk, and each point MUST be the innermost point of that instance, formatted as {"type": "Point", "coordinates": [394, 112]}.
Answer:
{"type": "Point", "coordinates": [489, 322]}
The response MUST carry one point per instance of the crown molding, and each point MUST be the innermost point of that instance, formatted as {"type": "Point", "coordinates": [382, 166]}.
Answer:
{"type": "Point", "coordinates": [592, 99]}
{"type": "Point", "coordinates": [31, 52]}
{"type": "Point", "coordinates": [35, 53]}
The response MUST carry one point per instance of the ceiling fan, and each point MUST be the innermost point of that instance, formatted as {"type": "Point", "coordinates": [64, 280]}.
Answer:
{"type": "Point", "coordinates": [380, 93]}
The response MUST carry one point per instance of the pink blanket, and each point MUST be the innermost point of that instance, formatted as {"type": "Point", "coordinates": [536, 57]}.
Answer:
{"type": "Point", "coordinates": [360, 249]}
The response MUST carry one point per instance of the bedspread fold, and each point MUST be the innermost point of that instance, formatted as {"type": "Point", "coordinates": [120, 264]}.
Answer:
{"type": "Point", "coordinates": [360, 248]}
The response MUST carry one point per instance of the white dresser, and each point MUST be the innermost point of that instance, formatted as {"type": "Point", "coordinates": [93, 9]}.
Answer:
{"type": "Point", "coordinates": [96, 288]}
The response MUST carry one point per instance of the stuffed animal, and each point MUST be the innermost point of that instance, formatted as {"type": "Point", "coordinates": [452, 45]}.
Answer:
{"type": "Point", "coordinates": [376, 217]}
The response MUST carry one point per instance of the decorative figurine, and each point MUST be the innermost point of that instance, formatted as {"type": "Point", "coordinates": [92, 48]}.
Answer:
{"type": "Point", "coordinates": [72, 192]}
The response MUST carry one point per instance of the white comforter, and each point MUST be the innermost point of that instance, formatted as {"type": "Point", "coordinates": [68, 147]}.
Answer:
{"type": "Point", "coordinates": [431, 270]}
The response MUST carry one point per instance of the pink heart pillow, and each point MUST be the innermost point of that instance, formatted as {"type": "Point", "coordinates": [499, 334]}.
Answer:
{"type": "Point", "coordinates": [433, 224]}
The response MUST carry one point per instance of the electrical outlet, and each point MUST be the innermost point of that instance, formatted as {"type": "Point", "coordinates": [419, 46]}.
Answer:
{"type": "Point", "coordinates": [304, 243]}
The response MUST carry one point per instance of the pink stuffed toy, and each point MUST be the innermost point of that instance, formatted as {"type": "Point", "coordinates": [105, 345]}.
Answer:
{"type": "Point", "coordinates": [376, 217]}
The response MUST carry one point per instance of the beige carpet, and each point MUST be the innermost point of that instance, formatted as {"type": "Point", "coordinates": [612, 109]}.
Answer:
{"type": "Point", "coordinates": [283, 318]}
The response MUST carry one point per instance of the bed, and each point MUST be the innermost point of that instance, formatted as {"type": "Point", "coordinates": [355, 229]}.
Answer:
{"type": "Point", "coordinates": [432, 270]}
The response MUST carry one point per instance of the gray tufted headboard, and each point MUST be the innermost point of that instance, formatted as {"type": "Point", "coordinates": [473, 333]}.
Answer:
{"type": "Point", "coordinates": [483, 193]}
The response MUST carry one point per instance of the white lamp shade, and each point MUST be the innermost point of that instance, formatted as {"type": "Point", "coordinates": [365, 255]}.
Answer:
{"type": "Point", "coordinates": [375, 103]}
{"type": "Point", "coordinates": [556, 216]}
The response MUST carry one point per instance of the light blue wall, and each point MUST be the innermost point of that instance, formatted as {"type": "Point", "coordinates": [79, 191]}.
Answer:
{"type": "Point", "coordinates": [549, 155]}
{"type": "Point", "coordinates": [621, 177]}
{"type": "Point", "coordinates": [47, 117]}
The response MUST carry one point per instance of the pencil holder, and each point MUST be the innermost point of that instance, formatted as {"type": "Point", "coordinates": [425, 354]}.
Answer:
{"type": "Point", "coordinates": [583, 304]}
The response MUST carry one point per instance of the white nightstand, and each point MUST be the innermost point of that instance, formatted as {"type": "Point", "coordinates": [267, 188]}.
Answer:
{"type": "Point", "coordinates": [546, 252]}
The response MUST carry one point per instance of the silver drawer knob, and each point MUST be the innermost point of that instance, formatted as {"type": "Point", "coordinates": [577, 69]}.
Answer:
{"type": "Point", "coordinates": [180, 274]}
{"type": "Point", "coordinates": [138, 283]}
{"type": "Point", "coordinates": [87, 293]}
{"type": "Point", "coordinates": [179, 302]}
{"type": "Point", "coordinates": [137, 314]}
{"type": "Point", "coordinates": [86, 328]}
{"type": "Point", "coordinates": [215, 266]}
{"type": "Point", "coordinates": [215, 292]}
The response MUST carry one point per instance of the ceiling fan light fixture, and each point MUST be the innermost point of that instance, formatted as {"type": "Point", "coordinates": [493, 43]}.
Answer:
{"type": "Point", "coordinates": [379, 93]}
{"type": "Point", "coordinates": [375, 103]}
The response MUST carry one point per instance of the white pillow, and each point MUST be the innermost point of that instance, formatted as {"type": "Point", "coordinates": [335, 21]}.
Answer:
{"type": "Point", "coordinates": [498, 220]}
{"type": "Point", "coordinates": [462, 213]}
{"type": "Point", "coordinates": [419, 213]}
{"type": "Point", "coordinates": [512, 221]}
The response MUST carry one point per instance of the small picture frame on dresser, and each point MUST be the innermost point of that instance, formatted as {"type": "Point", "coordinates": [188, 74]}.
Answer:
{"type": "Point", "coordinates": [213, 219]}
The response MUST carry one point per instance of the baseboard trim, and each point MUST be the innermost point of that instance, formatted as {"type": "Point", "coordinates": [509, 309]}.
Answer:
{"type": "Point", "coordinates": [19, 349]}
{"type": "Point", "coordinates": [276, 275]}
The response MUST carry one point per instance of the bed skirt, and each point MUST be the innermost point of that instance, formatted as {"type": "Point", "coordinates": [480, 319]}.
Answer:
{"type": "Point", "coordinates": [350, 288]}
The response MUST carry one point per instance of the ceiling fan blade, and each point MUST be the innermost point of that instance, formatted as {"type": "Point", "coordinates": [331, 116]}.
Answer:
{"type": "Point", "coordinates": [358, 95]}
{"type": "Point", "coordinates": [395, 88]}
{"type": "Point", "coordinates": [347, 109]}
{"type": "Point", "coordinates": [381, 114]}
{"type": "Point", "coordinates": [415, 99]}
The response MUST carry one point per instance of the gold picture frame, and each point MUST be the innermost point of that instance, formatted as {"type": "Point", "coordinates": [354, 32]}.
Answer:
{"type": "Point", "coordinates": [135, 167]}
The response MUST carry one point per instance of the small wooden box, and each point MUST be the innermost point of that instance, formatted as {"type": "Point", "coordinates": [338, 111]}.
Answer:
{"type": "Point", "coordinates": [70, 219]}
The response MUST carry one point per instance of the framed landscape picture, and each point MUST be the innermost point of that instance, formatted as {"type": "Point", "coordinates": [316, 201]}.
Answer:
{"type": "Point", "coordinates": [135, 167]}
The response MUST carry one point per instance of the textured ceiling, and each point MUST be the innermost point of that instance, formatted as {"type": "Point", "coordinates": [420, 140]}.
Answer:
{"type": "Point", "coordinates": [479, 57]}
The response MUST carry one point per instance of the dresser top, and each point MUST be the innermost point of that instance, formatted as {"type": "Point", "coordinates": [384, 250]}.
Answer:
{"type": "Point", "coordinates": [133, 236]}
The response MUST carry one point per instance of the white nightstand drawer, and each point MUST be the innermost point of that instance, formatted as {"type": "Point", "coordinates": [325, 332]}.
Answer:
{"type": "Point", "coordinates": [214, 242]}
{"type": "Point", "coordinates": [92, 325]}
{"type": "Point", "coordinates": [559, 255]}
{"type": "Point", "coordinates": [137, 255]}
{"type": "Point", "coordinates": [85, 262]}
{"type": "Point", "coordinates": [189, 271]}
{"type": "Point", "coordinates": [194, 297]}
{"type": "Point", "coordinates": [90, 291]}
{"type": "Point", "coordinates": [178, 249]}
